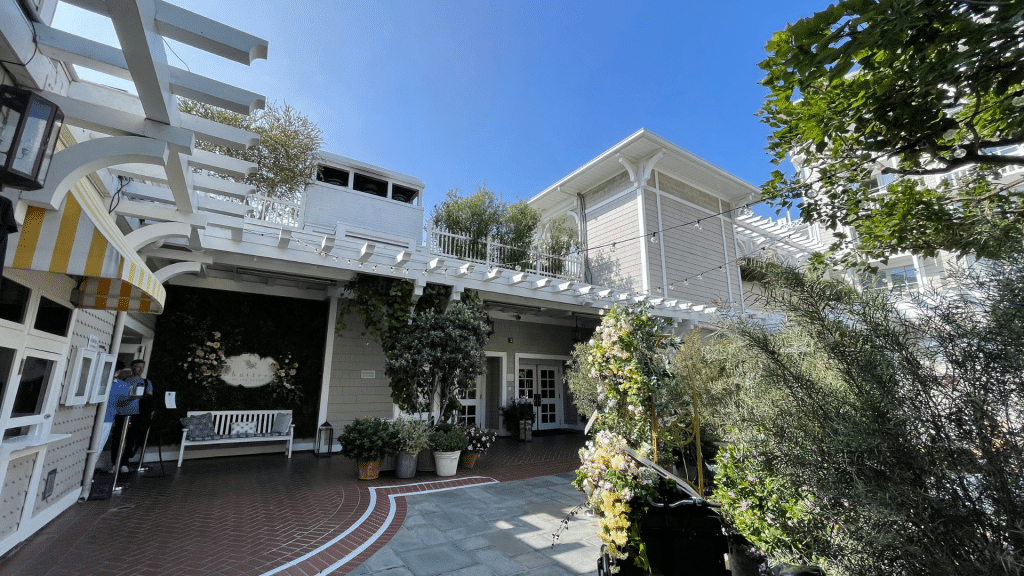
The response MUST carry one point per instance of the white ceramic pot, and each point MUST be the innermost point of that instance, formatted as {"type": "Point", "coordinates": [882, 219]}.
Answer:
{"type": "Point", "coordinates": [446, 463]}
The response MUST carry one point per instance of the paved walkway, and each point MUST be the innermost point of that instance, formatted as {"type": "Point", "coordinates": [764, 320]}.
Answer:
{"type": "Point", "coordinates": [492, 529]}
{"type": "Point", "coordinates": [264, 515]}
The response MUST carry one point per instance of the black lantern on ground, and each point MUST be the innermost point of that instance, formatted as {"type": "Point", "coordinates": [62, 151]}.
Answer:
{"type": "Point", "coordinates": [29, 125]}
{"type": "Point", "coordinates": [324, 441]}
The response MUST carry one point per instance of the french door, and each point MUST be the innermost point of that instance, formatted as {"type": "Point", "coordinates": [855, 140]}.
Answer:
{"type": "Point", "coordinates": [543, 381]}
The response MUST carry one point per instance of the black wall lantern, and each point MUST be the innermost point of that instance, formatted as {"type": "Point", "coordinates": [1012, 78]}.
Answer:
{"type": "Point", "coordinates": [29, 125]}
{"type": "Point", "coordinates": [324, 441]}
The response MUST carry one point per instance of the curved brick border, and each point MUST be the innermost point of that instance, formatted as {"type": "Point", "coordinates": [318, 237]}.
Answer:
{"type": "Point", "coordinates": [375, 528]}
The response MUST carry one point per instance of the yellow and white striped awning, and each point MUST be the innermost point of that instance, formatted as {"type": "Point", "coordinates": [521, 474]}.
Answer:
{"type": "Point", "coordinates": [81, 239]}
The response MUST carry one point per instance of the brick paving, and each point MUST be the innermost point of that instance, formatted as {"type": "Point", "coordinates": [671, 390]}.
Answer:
{"type": "Point", "coordinates": [258, 515]}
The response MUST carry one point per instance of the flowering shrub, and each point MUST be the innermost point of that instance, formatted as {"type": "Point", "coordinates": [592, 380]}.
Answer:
{"type": "Point", "coordinates": [629, 357]}
{"type": "Point", "coordinates": [616, 486]}
{"type": "Point", "coordinates": [283, 385]}
{"type": "Point", "coordinates": [205, 363]}
{"type": "Point", "coordinates": [781, 520]}
{"type": "Point", "coordinates": [479, 439]}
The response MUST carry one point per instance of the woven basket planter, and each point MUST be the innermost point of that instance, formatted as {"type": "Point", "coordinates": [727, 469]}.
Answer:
{"type": "Point", "coordinates": [469, 459]}
{"type": "Point", "coordinates": [369, 470]}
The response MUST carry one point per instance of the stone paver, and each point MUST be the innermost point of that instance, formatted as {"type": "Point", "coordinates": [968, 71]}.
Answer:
{"type": "Point", "coordinates": [516, 541]}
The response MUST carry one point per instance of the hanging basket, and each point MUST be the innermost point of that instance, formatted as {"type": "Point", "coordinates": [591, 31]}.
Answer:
{"type": "Point", "coordinates": [369, 470]}
{"type": "Point", "coordinates": [469, 459]}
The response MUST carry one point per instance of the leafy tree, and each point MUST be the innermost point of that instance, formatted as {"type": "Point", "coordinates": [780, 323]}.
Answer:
{"type": "Point", "coordinates": [484, 215]}
{"type": "Point", "coordinates": [436, 358]}
{"type": "Point", "coordinates": [285, 158]}
{"type": "Point", "coordinates": [905, 89]}
{"type": "Point", "coordinates": [386, 307]}
{"type": "Point", "coordinates": [906, 432]}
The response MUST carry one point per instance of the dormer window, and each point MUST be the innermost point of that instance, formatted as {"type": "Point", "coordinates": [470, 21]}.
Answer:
{"type": "Point", "coordinates": [402, 194]}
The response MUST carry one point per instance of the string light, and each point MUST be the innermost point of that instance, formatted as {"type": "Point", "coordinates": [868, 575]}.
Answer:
{"type": "Point", "coordinates": [698, 224]}
{"type": "Point", "coordinates": [654, 238]}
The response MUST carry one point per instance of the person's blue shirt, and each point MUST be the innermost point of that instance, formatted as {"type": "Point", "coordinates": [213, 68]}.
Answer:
{"type": "Point", "coordinates": [124, 395]}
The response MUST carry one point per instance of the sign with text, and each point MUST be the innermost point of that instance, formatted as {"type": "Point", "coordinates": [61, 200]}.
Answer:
{"type": "Point", "coordinates": [248, 370]}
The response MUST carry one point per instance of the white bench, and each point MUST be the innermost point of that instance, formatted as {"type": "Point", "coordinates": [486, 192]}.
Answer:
{"type": "Point", "coordinates": [263, 423]}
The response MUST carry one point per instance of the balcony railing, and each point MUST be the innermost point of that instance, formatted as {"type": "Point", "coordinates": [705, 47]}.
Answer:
{"type": "Point", "coordinates": [492, 254]}
{"type": "Point", "coordinates": [275, 210]}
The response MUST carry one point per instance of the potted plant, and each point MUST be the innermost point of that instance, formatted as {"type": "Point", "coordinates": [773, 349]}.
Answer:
{"type": "Point", "coordinates": [518, 415]}
{"type": "Point", "coordinates": [413, 436]}
{"type": "Point", "coordinates": [479, 440]}
{"type": "Point", "coordinates": [447, 442]}
{"type": "Point", "coordinates": [367, 440]}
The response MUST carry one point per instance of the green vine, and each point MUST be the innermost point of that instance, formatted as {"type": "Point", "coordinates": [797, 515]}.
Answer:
{"type": "Point", "coordinates": [385, 305]}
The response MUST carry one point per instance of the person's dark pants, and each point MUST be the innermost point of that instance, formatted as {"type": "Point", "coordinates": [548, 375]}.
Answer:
{"type": "Point", "coordinates": [136, 435]}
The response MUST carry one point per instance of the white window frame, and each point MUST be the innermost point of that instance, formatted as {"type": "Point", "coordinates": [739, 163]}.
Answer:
{"type": "Point", "coordinates": [102, 378]}
{"type": "Point", "coordinates": [75, 395]}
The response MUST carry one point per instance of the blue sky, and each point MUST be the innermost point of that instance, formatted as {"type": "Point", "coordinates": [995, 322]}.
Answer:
{"type": "Point", "coordinates": [514, 94]}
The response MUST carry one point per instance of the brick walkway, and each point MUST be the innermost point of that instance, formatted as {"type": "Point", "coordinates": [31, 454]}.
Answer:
{"type": "Point", "coordinates": [258, 515]}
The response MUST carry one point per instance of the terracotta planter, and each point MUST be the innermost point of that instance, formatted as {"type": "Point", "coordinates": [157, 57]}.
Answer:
{"type": "Point", "coordinates": [469, 459]}
{"type": "Point", "coordinates": [406, 465]}
{"type": "Point", "coordinates": [446, 463]}
{"type": "Point", "coordinates": [369, 470]}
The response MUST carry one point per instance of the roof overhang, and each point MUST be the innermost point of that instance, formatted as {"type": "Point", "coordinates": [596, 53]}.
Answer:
{"type": "Point", "coordinates": [638, 148]}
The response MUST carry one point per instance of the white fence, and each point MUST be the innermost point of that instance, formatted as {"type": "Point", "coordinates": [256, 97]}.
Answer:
{"type": "Point", "coordinates": [275, 210]}
{"type": "Point", "coordinates": [492, 254]}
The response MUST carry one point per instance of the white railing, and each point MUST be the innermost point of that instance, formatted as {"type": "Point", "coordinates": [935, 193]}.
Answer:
{"type": "Point", "coordinates": [492, 254]}
{"type": "Point", "coordinates": [275, 210]}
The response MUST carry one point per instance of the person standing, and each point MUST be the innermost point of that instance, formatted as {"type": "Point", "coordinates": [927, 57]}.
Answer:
{"type": "Point", "coordinates": [132, 396]}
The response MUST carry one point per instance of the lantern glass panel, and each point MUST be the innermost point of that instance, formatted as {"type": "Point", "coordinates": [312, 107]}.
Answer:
{"type": "Point", "coordinates": [9, 118]}
{"type": "Point", "coordinates": [32, 137]}
{"type": "Point", "coordinates": [44, 168]}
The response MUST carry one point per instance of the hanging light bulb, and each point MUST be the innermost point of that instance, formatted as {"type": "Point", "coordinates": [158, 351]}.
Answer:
{"type": "Point", "coordinates": [686, 282]}
{"type": "Point", "coordinates": [698, 224]}
{"type": "Point", "coordinates": [700, 276]}
{"type": "Point", "coordinates": [613, 246]}
{"type": "Point", "coordinates": [671, 286]}
{"type": "Point", "coordinates": [654, 238]}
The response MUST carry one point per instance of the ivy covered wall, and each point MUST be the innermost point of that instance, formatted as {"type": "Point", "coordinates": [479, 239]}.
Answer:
{"type": "Point", "coordinates": [246, 323]}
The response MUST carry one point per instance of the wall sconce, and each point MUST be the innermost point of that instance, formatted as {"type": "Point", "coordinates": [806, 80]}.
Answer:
{"type": "Point", "coordinates": [29, 125]}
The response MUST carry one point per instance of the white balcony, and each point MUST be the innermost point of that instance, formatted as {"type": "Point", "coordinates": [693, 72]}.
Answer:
{"type": "Point", "coordinates": [495, 255]}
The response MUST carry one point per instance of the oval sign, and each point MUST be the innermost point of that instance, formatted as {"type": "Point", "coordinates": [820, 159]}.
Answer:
{"type": "Point", "coordinates": [248, 370]}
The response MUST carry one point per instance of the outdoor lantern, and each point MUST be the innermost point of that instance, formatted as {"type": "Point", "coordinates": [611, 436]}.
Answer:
{"type": "Point", "coordinates": [324, 441]}
{"type": "Point", "coordinates": [577, 336]}
{"type": "Point", "coordinates": [29, 125]}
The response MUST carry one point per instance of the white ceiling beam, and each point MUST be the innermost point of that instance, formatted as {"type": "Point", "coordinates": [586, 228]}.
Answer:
{"type": "Point", "coordinates": [542, 283]}
{"type": "Point", "coordinates": [402, 258]}
{"type": "Point", "coordinates": [177, 269]}
{"type": "Point", "coordinates": [219, 134]}
{"type": "Point", "coordinates": [584, 290]}
{"type": "Point", "coordinates": [180, 180]}
{"type": "Point", "coordinates": [366, 251]}
{"type": "Point", "coordinates": [564, 286]}
{"type": "Point", "coordinates": [221, 164]}
{"type": "Point", "coordinates": [147, 211]}
{"type": "Point", "coordinates": [518, 278]}
{"type": "Point", "coordinates": [114, 122]}
{"type": "Point", "coordinates": [154, 193]}
{"type": "Point", "coordinates": [215, 185]}
{"type": "Point", "coordinates": [183, 255]}
{"type": "Point", "coordinates": [435, 264]}
{"type": "Point", "coordinates": [601, 293]}
{"type": "Point", "coordinates": [464, 270]}
{"type": "Point", "coordinates": [493, 274]}
{"type": "Point", "coordinates": [143, 52]}
{"type": "Point", "coordinates": [146, 235]}
{"type": "Point", "coordinates": [234, 225]}
{"type": "Point", "coordinates": [214, 92]}
{"type": "Point", "coordinates": [208, 35]}
{"type": "Point", "coordinates": [284, 238]}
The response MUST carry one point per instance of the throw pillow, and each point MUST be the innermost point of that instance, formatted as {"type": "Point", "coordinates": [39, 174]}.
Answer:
{"type": "Point", "coordinates": [282, 422]}
{"type": "Point", "coordinates": [240, 428]}
{"type": "Point", "coordinates": [199, 426]}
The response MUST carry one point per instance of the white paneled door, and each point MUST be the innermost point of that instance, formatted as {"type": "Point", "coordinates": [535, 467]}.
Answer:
{"type": "Point", "coordinates": [543, 381]}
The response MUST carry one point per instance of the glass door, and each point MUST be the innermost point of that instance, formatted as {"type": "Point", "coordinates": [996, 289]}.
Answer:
{"type": "Point", "coordinates": [472, 404]}
{"type": "Point", "coordinates": [543, 381]}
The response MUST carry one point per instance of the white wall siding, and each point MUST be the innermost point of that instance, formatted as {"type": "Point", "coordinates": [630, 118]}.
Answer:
{"type": "Point", "coordinates": [608, 189]}
{"type": "Point", "coordinates": [351, 395]}
{"type": "Point", "coordinates": [654, 250]}
{"type": "Point", "coordinates": [14, 493]}
{"type": "Point", "coordinates": [69, 456]}
{"type": "Point", "coordinates": [619, 267]}
{"type": "Point", "coordinates": [690, 251]}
